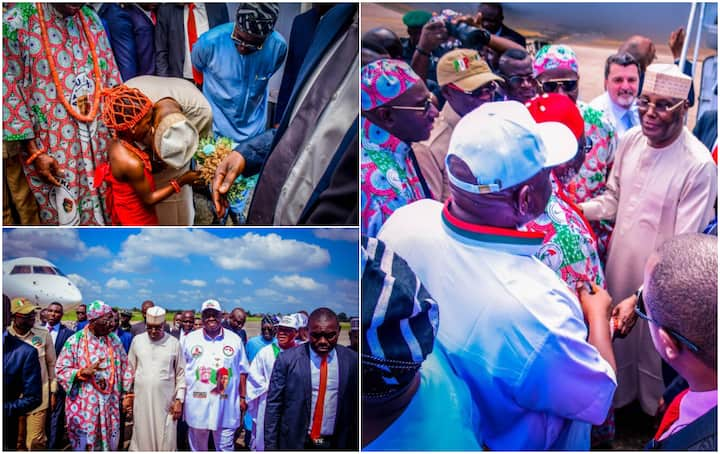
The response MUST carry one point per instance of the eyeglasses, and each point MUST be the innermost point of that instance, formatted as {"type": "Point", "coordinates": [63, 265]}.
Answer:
{"type": "Point", "coordinates": [517, 81]}
{"type": "Point", "coordinates": [480, 92]}
{"type": "Point", "coordinates": [249, 46]}
{"type": "Point", "coordinates": [640, 311]}
{"type": "Point", "coordinates": [551, 86]}
{"type": "Point", "coordinates": [661, 107]}
{"type": "Point", "coordinates": [329, 335]}
{"type": "Point", "coordinates": [425, 108]}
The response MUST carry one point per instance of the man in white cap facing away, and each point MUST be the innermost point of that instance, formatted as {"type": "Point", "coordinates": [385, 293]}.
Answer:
{"type": "Point", "coordinates": [663, 183]}
{"type": "Point", "coordinates": [159, 388]}
{"type": "Point", "coordinates": [520, 344]}
{"type": "Point", "coordinates": [215, 398]}
{"type": "Point", "coordinates": [173, 135]}
{"type": "Point", "coordinates": [259, 377]}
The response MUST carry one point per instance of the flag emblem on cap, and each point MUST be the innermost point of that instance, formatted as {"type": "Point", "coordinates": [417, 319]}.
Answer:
{"type": "Point", "coordinates": [461, 64]}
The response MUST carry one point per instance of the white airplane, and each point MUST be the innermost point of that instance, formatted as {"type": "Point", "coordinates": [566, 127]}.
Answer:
{"type": "Point", "coordinates": [39, 281]}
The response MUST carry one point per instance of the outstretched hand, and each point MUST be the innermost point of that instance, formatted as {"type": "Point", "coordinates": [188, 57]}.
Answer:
{"type": "Point", "coordinates": [225, 174]}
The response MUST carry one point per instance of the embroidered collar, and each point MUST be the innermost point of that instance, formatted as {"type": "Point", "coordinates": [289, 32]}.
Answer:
{"type": "Point", "coordinates": [509, 240]}
{"type": "Point", "coordinates": [219, 337]}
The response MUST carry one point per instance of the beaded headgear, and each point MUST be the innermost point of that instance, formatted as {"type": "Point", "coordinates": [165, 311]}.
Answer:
{"type": "Point", "coordinates": [124, 107]}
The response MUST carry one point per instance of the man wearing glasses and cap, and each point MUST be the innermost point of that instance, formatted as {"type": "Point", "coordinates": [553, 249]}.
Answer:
{"type": "Point", "coordinates": [466, 82]}
{"type": "Point", "coordinates": [663, 183]}
{"type": "Point", "coordinates": [397, 110]}
{"type": "Point", "coordinates": [259, 377]}
{"type": "Point", "coordinates": [512, 329]}
{"type": "Point", "coordinates": [23, 327]}
{"type": "Point", "coordinates": [237, 60]}
{"type": "Point", "coordinates": [557, 71]}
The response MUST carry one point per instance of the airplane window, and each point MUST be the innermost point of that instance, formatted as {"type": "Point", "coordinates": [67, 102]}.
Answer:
{"type": "Point", "coordinates": [43, 270]}
{"type": "Point", "coordinates": [58, 272]}
{"type": "Point", "coordinates": [21, 269]}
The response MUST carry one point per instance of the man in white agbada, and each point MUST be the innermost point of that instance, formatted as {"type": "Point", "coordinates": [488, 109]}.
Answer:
{"type": "Point", "coordinates": [259, 377]}
{"type": "Point", "coordinates": [663, 184]}
{"type": "Point", "coordinates": [159, 388]}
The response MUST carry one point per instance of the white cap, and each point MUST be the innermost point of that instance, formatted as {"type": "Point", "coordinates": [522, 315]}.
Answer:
{"type": "Point", "coordinates": [288, 321]}
{"type": "Point", "coordinates": [210, 304]}
{"type": "Point", "coordinates": [666, 80]}
{"type": "Point", "coordinates": [301, 320]}
{"type": "Point", "coordinates": [176, 140]}
{"type": "Point", "coordinates": [155, 315]}
{"type": "Point", "coordinates": [503, 146]}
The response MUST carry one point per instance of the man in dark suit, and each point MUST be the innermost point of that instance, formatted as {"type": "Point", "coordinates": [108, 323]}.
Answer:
{"type": "Point", "coordinates": [22, 385]}
{"type": "Point", "coordinates": [59, 333]}
{"type": "Point", "coordinates": [312, 399]}
{"type": "Point", "coordinates": [492, 21]}
{"type": "Point", "coordinates": [171, 34]}
{"type": "Point", "coordinates": [131, 31]}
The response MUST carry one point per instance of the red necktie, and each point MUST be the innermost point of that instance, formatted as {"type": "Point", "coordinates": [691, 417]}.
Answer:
{"type": "Point", "coordinates": [192, 38]}
{"type": "Point", "coordinates": [153, 17]}
{"type": "Point", "coordinates": [320, 404]}
{"type": "Point", "coordinates": [671, 415]}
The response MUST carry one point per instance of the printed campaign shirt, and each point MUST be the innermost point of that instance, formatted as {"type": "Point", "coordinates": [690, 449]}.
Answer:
{"type": "Point", "coordinates": [212, 375]}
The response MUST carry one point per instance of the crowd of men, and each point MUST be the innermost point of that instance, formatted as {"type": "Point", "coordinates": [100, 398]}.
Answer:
{"type": "Point", "coordinates": [202, 73]}
{"type": "Point", "coordinates": [183, 387]}
{"type": "Point", "coordinates": [520, 243]}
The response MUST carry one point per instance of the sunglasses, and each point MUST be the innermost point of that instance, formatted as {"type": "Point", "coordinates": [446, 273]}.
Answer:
{"type": "Point", "coordinates": [517, 81]}
{"type": "Point", "coordinates": [81, 313]}
{"type": "Point", "coordinates": [480, 92]}
{"type": "Point", "coordinates": [551, 86]}
{"type": "Point", "coordinates": [640, 311]}
{"type": "Point", "coordinates": [661, 107]}
{"type": "Point", "coordinates": [329, 335]}
{"type": "Point", "coordinates": [245, 44]}
{"type": "Point", "coordinates": [425, 108]}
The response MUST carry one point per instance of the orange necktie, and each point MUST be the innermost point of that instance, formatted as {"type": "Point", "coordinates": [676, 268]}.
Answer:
{"type": "Point", "coordinates": [192, 38]}
{"type": "Point", "coordinates": [320, 404]}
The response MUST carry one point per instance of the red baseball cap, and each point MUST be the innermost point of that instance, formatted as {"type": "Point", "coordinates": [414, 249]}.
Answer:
{"type": "Point", "coordinates": [558, 108]}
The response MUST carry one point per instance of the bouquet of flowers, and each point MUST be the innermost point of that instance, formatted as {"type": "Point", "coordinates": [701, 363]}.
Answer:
{"type": "Point", "coordinates": [209, 155]}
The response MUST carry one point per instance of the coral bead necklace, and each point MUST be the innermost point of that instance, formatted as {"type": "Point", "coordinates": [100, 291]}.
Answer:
{"type": "Point", "coordinates": [56, 79]}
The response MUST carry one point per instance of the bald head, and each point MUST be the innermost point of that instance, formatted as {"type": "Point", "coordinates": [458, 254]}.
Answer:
{"type": "Point", "coordinates": [681, 290]}
{"type": "Point", "coordinates": [641, 48]}
{"type": "Point", "coordinates": [383, 38]}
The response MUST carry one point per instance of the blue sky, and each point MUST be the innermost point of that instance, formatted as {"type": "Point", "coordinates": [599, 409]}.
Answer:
{"type": "Point", "coordinates": [262, 270]}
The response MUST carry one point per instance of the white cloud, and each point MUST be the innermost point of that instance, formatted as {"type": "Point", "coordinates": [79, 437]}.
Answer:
{"type": "Point", "coordinates": [144, 292]}
{"type": "Point", "coordinates": [85, 284]}
{"type": "Point", "coordinates": [49, 243]}
{"type": "Point", "coordinates": [224, 281]}
{"type": "Point", "coordinates": [267, 293]}
{"type": "Point", "coordinates": [118, 284]}
{"type": "Point", "coordinates": [297, 282]}
{"type": "Point", "coordinates": [247, 281]}
{"type": "Point", "coordinates": [194, 282]}
{"type": "Point", "coordinates": [339, 234]}
{"type": "Point", "coordinates": [251, 251]}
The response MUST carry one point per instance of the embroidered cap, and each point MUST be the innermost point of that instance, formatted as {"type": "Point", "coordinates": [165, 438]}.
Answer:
{"type": "Point", "coordinates": [384, 80]}
{"type": "Point", "coordinates": [503, 146]}
{"type": "Point", "coordinates": [288, 321]}
{"type": "Point", "coordinates": [155, 315]}
{"type": "Point", "coordinates": [464, 68]}
{"type": "Point", "coordinates": [666, 80]}
{"type": "Point", "coordinates": [97, 309]}
{"type": "Point", "coordinates": [22, 306]}
{"type": "Point", "coordinates": [175, 140]}
{"type": "Point", "coordinates": [256, 18]}
{"type": "Point", "coordinates": [553, 56]}
{"type": "Point", "coordinates": [210, 304]}
{"type": "Point", "coordinates": [558, 108]}
{"type": "Point", "coordinates": [301, 320]}
{"type": "Point", "coordinates": [399, 320]}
